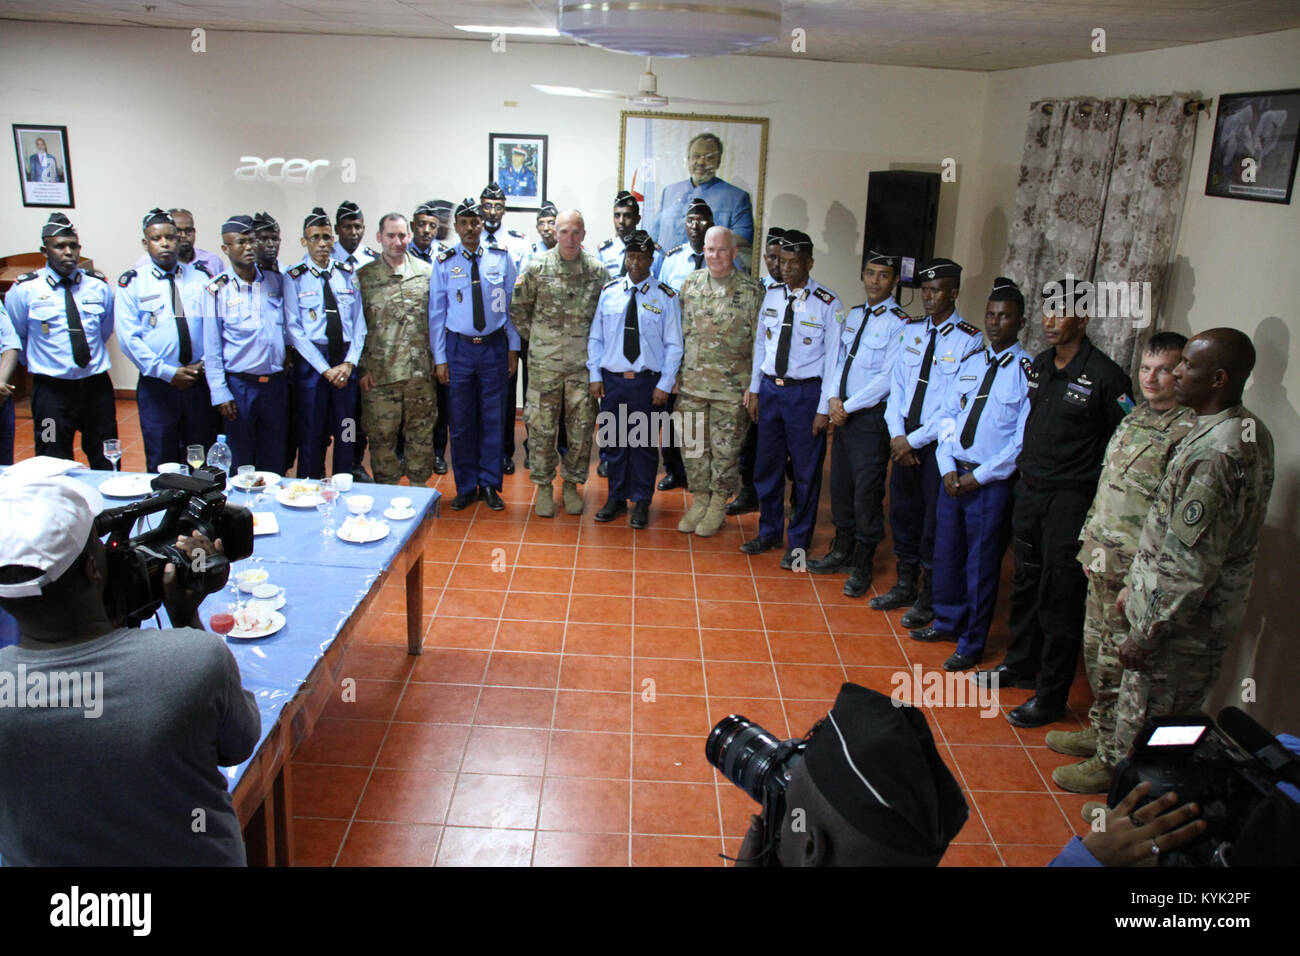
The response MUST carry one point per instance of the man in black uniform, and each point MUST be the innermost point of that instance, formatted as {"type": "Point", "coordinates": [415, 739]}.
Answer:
{"type": "Point", "coordinates": [1077, 397]}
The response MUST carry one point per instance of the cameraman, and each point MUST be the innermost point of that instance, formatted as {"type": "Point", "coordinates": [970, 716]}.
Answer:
{"type": "Point", "coordinates": [110, 737]}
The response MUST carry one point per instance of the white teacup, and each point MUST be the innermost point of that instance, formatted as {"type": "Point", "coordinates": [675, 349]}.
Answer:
{"type": "Point", "coordinates": [360, 504]}
{"type": "Point", "coordinates": [267, 592]}
{"type": "Point", "coordinates": [401, 505]}
{"type": "Point", "coordinates": [251, 578]}
{"type": "Point", "coordinates": [343, 482]}
{"type": "Point", "coordinates": [172, 468]}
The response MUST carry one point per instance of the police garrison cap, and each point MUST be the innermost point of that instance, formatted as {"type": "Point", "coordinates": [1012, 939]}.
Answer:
{"type": "Point", "coordinates": [875, 258]}
{"type": "Point", "coordinates": [699, 206]}
{"type": "Point", "coordinates": [1004, 290]}
{"type": "Point", "coordinates": [547, 209]}
{"type": "Point", "coordinates": [774, 236]}
{"type": "Point", "coordinates": [639, 241]}
{"type": "Point", "coordinates": [492, 191]}
{"type": "Point", "coordinates": [57, 225]}
{"type": "Point", "coordinates": [625, 198]}
{"type": "Point", "coordinates": [347, 210]}
{"type": "Point", "coordinates": [317, 217]}
{"type": "Point", "coordinates": [426, 208]}
{"type": "Point", "coordinates": [797, 241]}
{"type": "Point", "coordinates": [939, 269]}
{"type": "Point", "coordinates": [468, 207]}
{"type": "Point", "coordinates": [877, 765]}
{"type": "Point", "coordinates": [264, 220]}
{"type": "Point", "coordinates": [442, 208]}
{"type": "Point", "coordinates": [157, 217]}
{"type": "Point", "coordinates": [237, 224]}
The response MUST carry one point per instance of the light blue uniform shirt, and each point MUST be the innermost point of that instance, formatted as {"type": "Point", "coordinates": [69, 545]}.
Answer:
{"type": "Point", "coordinates": [610, 253]}
{"type": "Point", "coordinates": [304, 306]}
{"type": "Point", "coordinates": [8, 337]}
{"type": "Point", "coordinates": [451, 304]}
{"type": "Point", "coordinates": [873, 364]}
{"type": "Point", "coordinates": [146, 322]}
{"type": "Point", "coordinates": [1000, 430]}
{"type": "Point", "coordinates": [659, 320]}
{"type": "Point", "coordinates": [511, 241]}
{"type": "Point", "coordinates": [818, 314]}
{"type": "Point", "coordinates": [356, 260]}
{"type": "Point", "coordinates": [730, 204]}
{"type": "Point", "coordinates": [37, 308]}
{"type": "Point", "coordinates": [955, 340]}
{"type": "Point", "coordinates": [244, 328]}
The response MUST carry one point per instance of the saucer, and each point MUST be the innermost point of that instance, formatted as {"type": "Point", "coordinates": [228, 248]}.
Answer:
{"type": "Point", "coordinates": [399, 515]}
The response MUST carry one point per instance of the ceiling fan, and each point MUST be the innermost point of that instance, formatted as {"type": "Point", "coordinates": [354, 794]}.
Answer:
{"type": "Point", "coordinates": [646, 96]}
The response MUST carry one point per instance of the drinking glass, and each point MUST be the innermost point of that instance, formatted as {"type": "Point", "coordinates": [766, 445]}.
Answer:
{"type": "Point", "coordinates": [246, 473]}
{"type": "Point", "coordinates": [194, 457]}
{"type": "Point", "coordinates": [113, 451]}
{"type": "Point", "coordinates": [325, 499]}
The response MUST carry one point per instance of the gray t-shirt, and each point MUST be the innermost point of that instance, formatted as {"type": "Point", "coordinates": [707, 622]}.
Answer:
{"type": "Point", "coordinates": [112, 758]}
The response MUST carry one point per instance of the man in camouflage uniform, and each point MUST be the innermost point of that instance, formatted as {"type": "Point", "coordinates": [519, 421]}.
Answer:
{"type": "Point", "coordinates": [554, 301]}
{"type": "Point", "coordinates": [1131, 471]}
{"type": "Point", "coordinates": [396, 364]}
{"type": "Point", "coordinates": [1185, 595]}
{"type": "Point", "coordinates": [720, 308]}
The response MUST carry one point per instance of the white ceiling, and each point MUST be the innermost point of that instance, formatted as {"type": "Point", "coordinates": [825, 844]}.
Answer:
{"type": "Point", "coordinates": [957, 34]}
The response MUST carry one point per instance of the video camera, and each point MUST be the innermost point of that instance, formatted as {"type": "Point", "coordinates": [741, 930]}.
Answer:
{"type": "Point", "coordinates": [194, 502]}
{"type": "Point", "coordinates": [1232, 773]}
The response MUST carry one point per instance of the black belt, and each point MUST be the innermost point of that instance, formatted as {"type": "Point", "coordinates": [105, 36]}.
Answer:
{"type": "Point", "coordinates": [646, 373]}
{"type": "Point", "coordinates": [480, 339]}
{"type": "Point", "coordinates": [966, 465]}
{"type": "Point", "coordinates": [258, 379]}
{"type": "Point", "coordinates": [785, 380]}
{"type": "Point", "coordinates": [66, 382]}
{"type": "Point", "coordinates": [324, 348]}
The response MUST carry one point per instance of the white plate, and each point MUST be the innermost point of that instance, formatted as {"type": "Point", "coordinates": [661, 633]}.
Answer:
{"type": "Point", "coordinates": [265, 522]}
{"type": "Point", "coordinates": [376, 531]}
{"type": "Point", "coordinates": [270, 478]}
{"type": "Point", "coordinates": [305, 501]}
{"type": "Point", "coordinates": [271, 604]}
{"type": "Point", "coordinates": [400, 515]}
{"type": "Point", "coordinates": [277, 622]}
{"type": "Point", "coordinates": [126, 486]}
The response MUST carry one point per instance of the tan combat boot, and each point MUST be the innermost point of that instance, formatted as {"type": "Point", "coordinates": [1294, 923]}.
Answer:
{"type": "Point", "coordinates": [714, 518]}
{"type": "Point", "coordinates": [692, 517]}
{"type": "Point", "coordinates": [545, 507]}
{"type": "Point", "coordinates": [1091, 776]}
{"type": "Point", "coordinates": [1073, 743]}
{"type": "Point", "coordinates": [572, 500]}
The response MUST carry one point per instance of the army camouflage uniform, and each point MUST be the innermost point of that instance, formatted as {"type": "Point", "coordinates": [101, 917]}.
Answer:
{"type": "Point", "coordinates": [552, 308]}
{"type": "Point", "coordinates": [1131, 471]}
{"type": "Point", "coordinates": [1192, 571]}
{"type": "Point", "coordinates": [718, 332]}
{"type": "Point", "coordinates": [398, 358]}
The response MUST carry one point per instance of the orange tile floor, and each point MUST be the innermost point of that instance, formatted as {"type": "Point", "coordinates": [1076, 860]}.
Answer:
{"type": "Point", "coordinates": [571, 673]}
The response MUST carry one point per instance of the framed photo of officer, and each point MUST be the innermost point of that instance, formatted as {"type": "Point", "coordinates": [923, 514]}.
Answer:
{"type": "Point", "coordinates": [517, 163]}
{"type": "Point", "coordinates": [44, 168]}
{"type": "Point", "coordinates": [1253, 155]}
{"type": "Point", "coordinates": [668, 159]}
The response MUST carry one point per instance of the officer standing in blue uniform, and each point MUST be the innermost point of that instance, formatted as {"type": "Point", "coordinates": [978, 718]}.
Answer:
{"type": "Point", "coordinates": [627, 219]}
{"type": "Point", "coordinates": [266, 232]}
{"type": "Point", "coordinates": [9, 348]}
{"type": "Point", "coordinates": [633, 353]}
{"type": "Point", "coordinates": [854, 397]}
{"type": "Point", "coordinates": [159, 312]}
{"type": "Point", "coordinates": [518, 180]}
{"type": "Point", "coordinates": [794, 352]}
{"type": "Point", "coordinates": [987, 405]}
{"type": "Point", "coordinates": [328, 331]}
{"type": "Point", "coordinates": [932, 349]}
{"type": "Point", "coordinates": [350, 227]}
{"type": "Point", "coordinates": [546, 214]}
{"type": "Point", "coordinates": [426, 223]}
{"type": "Point", "coordinates": [492, 207]}
{"type": "Point", "coordinates": [244, 336]}
{"type": "Point", "coordinates": [63, 316]}
{"type": "Point", "coordinates": [475, 351]}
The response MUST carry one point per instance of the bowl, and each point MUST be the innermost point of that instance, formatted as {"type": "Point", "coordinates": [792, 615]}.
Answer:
{"type": "Point", "coordinates": [360, 504]}
{"type": "Point", "coordinates": [251, 578]}
{"type": "Point", "coordinates": [401, 504]}
{"type": "Point", "coordinates": [173, 468]}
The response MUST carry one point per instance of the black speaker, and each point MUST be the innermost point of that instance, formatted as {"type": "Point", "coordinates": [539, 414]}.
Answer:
{"type": "Point", "coordinates": [902, 213]}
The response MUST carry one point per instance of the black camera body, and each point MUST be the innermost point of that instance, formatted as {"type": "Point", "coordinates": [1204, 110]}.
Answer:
{"type": "Point", "coordinates": [135, 565]}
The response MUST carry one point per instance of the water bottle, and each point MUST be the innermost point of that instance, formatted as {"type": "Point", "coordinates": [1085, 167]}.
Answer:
{"type": "Point", "coordinates": [219, 457]}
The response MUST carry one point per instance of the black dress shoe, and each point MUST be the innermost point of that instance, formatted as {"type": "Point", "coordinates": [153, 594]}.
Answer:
{"type": "Point", "coordinates": [744, 502]}
{"type": "Point", "coordinates": [1006, 677]}
{"type": "Point", "coordinates": [670, 481]}
{"type": "Point", "coordinates": [640, 514]}
{"type": "Point", "coordinates": [858, 583]}
{"type": "Point", "coordinates": [836, 561]}
{"type": "Point", "coordinates": [602, 469]}
{"type": "Point", "coordinates": [760, 544]}
{"type": "Point", "coordinates": [492, 498]}
{"type": "Point", "coordinates": [959, 662]}
{"type": "Point", "coordinates": [1034, 713]}
{"type": "Point", "coordinates": [930, 635]}
{"type": "Point", "coordinates": [461, 502]}
{"type": "Point", "coordinates": [787, 560]}
{"type": "Point", "coordinates": [611, 510]}
{"type": "Point", "coordinates": [439, 465]}
{"type": "Point", "coordinates": [509, 466]}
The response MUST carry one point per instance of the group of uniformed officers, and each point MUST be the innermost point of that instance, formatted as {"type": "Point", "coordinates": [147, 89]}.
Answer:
{"type": "Point", "coordinates": [1134, 525]}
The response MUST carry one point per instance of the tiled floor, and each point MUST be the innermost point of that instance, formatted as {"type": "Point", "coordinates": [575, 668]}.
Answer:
{"type": "Point", "coordinates": [571, 673]}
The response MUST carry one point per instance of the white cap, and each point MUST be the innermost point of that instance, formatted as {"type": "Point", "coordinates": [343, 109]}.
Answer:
{"type": "Point", "coordinates": [44, 524]}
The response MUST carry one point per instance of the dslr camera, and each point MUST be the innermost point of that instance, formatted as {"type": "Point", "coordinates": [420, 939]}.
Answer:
{"type": "Point", "coordinates": [189, 503]}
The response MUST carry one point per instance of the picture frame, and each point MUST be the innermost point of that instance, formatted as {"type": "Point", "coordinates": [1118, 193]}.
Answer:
{"type": "Point", "coordinates": [44, 175]}
{"type": "Point", "coordinates": [524, 184]}
{"type": "Point", "coordinates": [1254, 151]}
{"type": "Point", "coordinates": [654, 156]}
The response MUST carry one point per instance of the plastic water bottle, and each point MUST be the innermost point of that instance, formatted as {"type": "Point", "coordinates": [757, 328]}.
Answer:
{"type": "Point", "coordinates": [219, 457]}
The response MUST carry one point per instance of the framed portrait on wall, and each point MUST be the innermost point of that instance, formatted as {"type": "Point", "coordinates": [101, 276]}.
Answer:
{"type": "Point", "coordinates": [1254, 153]}
{"type": "Point", "coordinates": [667, 159]}
{"type": "Point", "coordinates": [517, 163]}
{"type": "Point", "coordinates": [44, 167]}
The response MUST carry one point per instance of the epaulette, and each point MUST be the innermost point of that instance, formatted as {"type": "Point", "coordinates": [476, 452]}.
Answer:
{"type": "Point", "coordinates": [866, 309]}
{"type": "Point", "coordinates": [610, 283]}
{"type": "Point", "coordinates": [215, 285]}
{"type": "Point", "coordinates": [876, 311]}
{"type": "Point", "coordinates": [604, 245]}
{"type": "Point", "coordinates": [202, 268]}
{"type": "Point", "coordinates": [900, 313]}
{"type": "Point", "coordinates": [343, 266]}
{"type": "Point", "coordinates": [26, 277]}
{"type": "Point", "coordinates": [669, 290]}
{"type": "Point", "coordinates": [946, 328]}
{"type": "Point", "coordinates": [297, 270]}
{"type": "Point", "coordinates": [443, 257]}
{"type": "Point", "coordinates": [495, 248]}
{"type": "Point", "coordinates": [975, 351]}
{"type": "Point", "coordinates": [825, 295]}
{"type": "Point", "coordinates": [913, 321]}
{"type": "Point", "coordinates": [516, 233]}
{"type": "Point", "coordinates": [96, 274]}
{"type": "Point", "coordinates": [969, 329]}
{"type": "Point", "coordinates": [674, 249]}
{"type": "Point", "coordinates": [125, 278]}
{"type": "Point", "coordinates": [1025, 363]}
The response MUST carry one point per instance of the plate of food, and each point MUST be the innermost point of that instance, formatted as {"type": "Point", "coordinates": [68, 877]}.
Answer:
{"type": "Point", "coordinates": [257, 481]}
{"type": "Point", "coordinates": [299, 494]}
{"type": "Point", "coordinates": [254, 621]}
{"type": "Point", "coordinates": [126, 486]}
{"type": "Point", "coordinates": [362, 530]}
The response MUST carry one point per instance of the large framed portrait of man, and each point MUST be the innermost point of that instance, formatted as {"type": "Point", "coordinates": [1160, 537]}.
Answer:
{"type": "Point", "coordinates": [44, 169]}
{"type": "Point", "coordinates": [668, 159]}
{"type": "Point", "coordinates": [517, 162]}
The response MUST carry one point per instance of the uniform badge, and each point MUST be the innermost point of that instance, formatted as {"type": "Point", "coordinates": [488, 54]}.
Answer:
{"type": "Point", "coordinates": [1193, 512]}
{"type": "Point", "coordinates": [917, 341]}
{"type": "Point", "coordinates": [459, 297]}
{"type": "Point", "coordinates": [311, 313]}
{"type": "Point", "coordinates": [45, 329]}
{"type": "Point", "coordinates": [807, 341]}
{"type": "Point", "coordinates": [769, 333]}
{"type": "Point", "coordinates": [457, 271]}
{"type": "Point", "coordinates": [153, 320]}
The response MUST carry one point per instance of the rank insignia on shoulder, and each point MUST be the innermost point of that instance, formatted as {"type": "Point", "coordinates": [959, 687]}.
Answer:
{"type": "Point", "coordinates": [946, 328]}
{"type": "Point", "coordinates": [297, 270]}
{"type": "Point", "coordinates": [215, 285]}
{"type": "Point", "coordinates": [675, 249]}
{"type": "Point", "coordinates": [605, 245]}
{"type": "Point", "coordinates": [968, 328]}
{"type": "Point", "coordinates": [877, 310]}
{"type": "Point", "coordinates": [611, 282]}
{"type": "Point", "coordinates": [96, 274]}
{"type": "Point", "coordinates": [825, 295]}
{"type": "Point", "coordinates": [668, 290]}
{"type": "Point", "coordinates": [516, 233]}
{"type": "Point", "coordinates": [1026, 364]}
{"type": "Point", "coordinates": [1126, 403]}
{"type": "Point", "coordinates": [202, 268]}
{"type": "Point", "coordinates": [443, 257]}
{"type": "Point", "coordinates": [342, 266]}
{"type": "Point", "coordinates": [900, 313]}
{"type": "Point", "coordinates": [125, 278]}
{"type": "Point", "coordinates": [27, 277]}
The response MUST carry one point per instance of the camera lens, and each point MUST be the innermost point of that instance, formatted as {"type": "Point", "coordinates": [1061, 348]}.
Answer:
{"type": "Point", "coordinates": [743, 752]}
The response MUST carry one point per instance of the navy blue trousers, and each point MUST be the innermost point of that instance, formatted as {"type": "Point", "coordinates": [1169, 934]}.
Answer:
{"type": "Point", "coordinates": [173, 418]}
{"type": "Point", "coordinates": [63, 407]}
{"type": "Point", "coordinates": [971, 535]}
{"type": "Point", "coordinates": [259, 435]}
{"type": "Point", "coordinates": [476, 399]}
{"type": "Point", "coordinates": [859, 459]}
{"type": "Point", "coordinates": [324, 413]}
{"type": "Point", "coordinates": [913, 492]}
{"type": "Point", "coordinates": [631, 469]}
{"type": "Point", "coordinates": [7, 432]}
{"type": "Point", "coordinates": [785, 420]}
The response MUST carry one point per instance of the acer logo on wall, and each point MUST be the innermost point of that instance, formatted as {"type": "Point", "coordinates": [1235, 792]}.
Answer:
{"type": "Point", "coordinates": [301, 172]}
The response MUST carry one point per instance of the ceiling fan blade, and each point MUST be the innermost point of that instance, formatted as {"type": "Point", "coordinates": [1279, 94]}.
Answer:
{"type": "Point", "coordinates": [578, 91]}
{"type": "Point", "coordinates": [691, 99]}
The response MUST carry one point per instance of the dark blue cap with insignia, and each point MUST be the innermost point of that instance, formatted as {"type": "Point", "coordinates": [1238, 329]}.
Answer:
{"type": "Point", "coordinates": [699, 206]}
{"type": "Point", "coordinates": [875, 258]}
{"type": "Point", "coordinates": [237, 224]}
{"type": "Point", "coordinates": [797, 241]}
{"type": "Point", "coordinates": [939, 269]}
{"type": "Point", "coordinates": [492, 191]}
{"type": "Point", "coordinates": [264, 220]}
{"type": "Point", "coordinates": [57, 225]}
{"type": "Point", "coordinates": [317, 217]}
{"type": "Point", "coordinates": [442, 208]}
{"type": "Point", "coordinates": [639, 241]}
{"type": "Point", "coordinates": [426, 208]}
{"type": "Point", "coordinates": [157, 217]}
{"type": "Point", "coordinates": [547, 209]}
{"type": "Point", "coordinates": [774, 236]}
{"type": "Point", "coordinates": [1004, 290]}
{"type": "Point", "coordinates": [625, 198]}
{"type": "Point", "coordinates": [347, 210]}
{"type": "Point", "coordinates": [468, 207]}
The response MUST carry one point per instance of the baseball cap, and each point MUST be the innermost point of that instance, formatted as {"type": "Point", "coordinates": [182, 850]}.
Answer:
{"type": "Point", "coordinates": [44, 525]}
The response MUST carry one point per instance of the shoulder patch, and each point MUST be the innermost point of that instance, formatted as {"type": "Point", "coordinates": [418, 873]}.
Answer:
{"type": "Point", "coordinates": [342, 266]}
{"type": "Point", "coordinates": [203, 268]}
{"type": "Point", "coordinates": [611, 282]}
{"type": "Point", "coordinates": [125, 278]}
{"type": "Point", "coordinates": [297, 270]}
{"type": "Point", "coordinates": [1026, 364]}
{"type": "Point", "coordinates": [826, 295]}
{"type": "Point", "coordinates": [605, 245]}
{"type": "Point", "coordinates": [516, 233]}
{"type": "Point", "coordinates": [215, 285]}
{"type": "Point", "coordinates": [675, 249]}
{"type": "Point", "coordinates": [969, 329]}
{"type": "Point", "coordinates": [443, 257]}
{"type": "Point", "coordinates": [96, 274]}
{"type": "Point", "coordinates": [495, 248]}
{"type": "Point", "coordinates": [668, 290]}
{"type": "Point", "coordinates": [27, 277]}
{"type": "Point", "coordinates": [900, 313]}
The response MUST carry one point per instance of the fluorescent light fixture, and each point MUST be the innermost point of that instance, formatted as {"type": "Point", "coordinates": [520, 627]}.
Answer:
{"type": "Point", "coordinates": [514, 31]}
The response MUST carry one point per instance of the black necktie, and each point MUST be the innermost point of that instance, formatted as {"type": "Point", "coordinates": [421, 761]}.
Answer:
{"type": "Point", "coordinates": [623, 271]}
{"type": "Point", "coordinates": [182, 326]}
{"type": "Point", "coordinates": [698, 259]}
{"type": "Point", "coordinates": [913, 420]}
{"type": "Point", "coordinates": [76, 332]}
{"type": "Point", "coordinates": [981, 398]}
{"type": "Point", "coordinates": [631, 330]}
{"type": "Point", "coordinates": [476, 294]}
{"type": "Point", "coordinates": [333, 321]}
{"type": "Point", "coordinates": [783, 342]}
{"type": "Point", "coordinates": [848, 360]}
